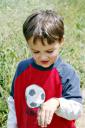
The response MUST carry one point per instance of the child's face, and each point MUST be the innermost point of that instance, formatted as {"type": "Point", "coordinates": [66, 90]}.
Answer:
{"type": "Point", "coordinates": [44, 55]}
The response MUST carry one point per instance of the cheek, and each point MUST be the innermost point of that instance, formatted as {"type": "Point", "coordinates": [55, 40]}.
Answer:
{"type": "Point", "coordinates": [54, 54]}
{"type": "Point", "coordinates": [35, 57]}
{"type": "Point", "coordinates": [53, 58]}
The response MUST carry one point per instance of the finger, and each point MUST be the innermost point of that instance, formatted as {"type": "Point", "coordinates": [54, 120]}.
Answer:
{"type": "Point", "coordinates": [38, 116]}
{"type": "Point", "coordinates": [50, 117]}
{"type": "Point", "coordinates": [47, 113]}
{"type": "Point", "coordinates": [42, 118]}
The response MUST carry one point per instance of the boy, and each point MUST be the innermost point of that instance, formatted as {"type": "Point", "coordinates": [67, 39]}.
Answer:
{"type": "Point", "coordinates": [46, 70]}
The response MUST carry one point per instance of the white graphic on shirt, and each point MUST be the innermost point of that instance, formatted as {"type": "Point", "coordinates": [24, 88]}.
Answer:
{"type": "Point", "coordinates": [35, 96]}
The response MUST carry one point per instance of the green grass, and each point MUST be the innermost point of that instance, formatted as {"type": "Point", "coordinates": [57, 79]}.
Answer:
{"type": "Point", "coordinates": [13, 47]}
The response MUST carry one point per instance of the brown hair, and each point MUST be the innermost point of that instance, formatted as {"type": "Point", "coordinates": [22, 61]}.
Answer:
{"type": "Point", "coordinates": [44, 24]}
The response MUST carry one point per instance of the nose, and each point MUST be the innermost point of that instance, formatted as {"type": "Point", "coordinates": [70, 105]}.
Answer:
{"type": "Point", "coordinates": [44, 57]}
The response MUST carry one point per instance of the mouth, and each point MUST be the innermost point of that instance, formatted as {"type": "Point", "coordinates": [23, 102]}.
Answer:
{"type": "Point", "coordinates": [44, 62]}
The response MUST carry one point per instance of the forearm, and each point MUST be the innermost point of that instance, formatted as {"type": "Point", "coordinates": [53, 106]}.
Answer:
{"type": "Point", "coordinates": [11, 121]}
{"type": "Point", "coordinates": [69, 109]}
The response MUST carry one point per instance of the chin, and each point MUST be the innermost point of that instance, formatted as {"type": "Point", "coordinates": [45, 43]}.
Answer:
{"type": "Point", "coordinates": [46, 66]}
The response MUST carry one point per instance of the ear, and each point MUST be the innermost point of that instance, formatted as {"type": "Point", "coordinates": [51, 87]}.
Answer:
{"type": "Point", "coordinates": [62, 42]}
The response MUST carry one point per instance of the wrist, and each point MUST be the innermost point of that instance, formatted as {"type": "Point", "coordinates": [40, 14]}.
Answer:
{"type": "Point", "coordinates": [57, 103]}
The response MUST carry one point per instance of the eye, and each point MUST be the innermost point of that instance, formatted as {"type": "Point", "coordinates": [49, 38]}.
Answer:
{"type": "Point", "coordinates": [50, 51]}
{"type": "Point", "coordinates": [36, 52]}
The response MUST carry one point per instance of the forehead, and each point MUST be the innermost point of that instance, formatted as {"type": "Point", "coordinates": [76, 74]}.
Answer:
{"type": "Point", "coordinates": [38, 45]}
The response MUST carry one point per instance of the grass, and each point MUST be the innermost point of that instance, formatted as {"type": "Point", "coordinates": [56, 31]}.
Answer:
{"type": "Point", "coordinates": [13, 47]}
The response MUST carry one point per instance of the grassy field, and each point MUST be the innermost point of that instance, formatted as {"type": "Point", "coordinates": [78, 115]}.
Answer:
{"type": "Point", "coordinates": [13, 47]}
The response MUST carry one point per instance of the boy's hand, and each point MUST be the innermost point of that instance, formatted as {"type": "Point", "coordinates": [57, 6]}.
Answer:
{"type": "Point", "coordinates": [46, 111]}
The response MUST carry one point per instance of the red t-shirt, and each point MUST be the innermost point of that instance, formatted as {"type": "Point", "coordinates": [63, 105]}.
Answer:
{"type": "Point", "coordinates": [50, 81]}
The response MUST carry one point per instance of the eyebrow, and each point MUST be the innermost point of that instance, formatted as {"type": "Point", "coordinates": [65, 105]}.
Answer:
{"type": "Point", "coordinates": [46, 50]}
